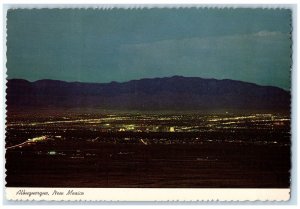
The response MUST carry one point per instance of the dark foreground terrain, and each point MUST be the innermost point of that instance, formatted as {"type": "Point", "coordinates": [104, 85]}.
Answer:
{"type": "Point", "coordinates": [226, 151]}
{"type": "Point", "coordinates": [200, 166]}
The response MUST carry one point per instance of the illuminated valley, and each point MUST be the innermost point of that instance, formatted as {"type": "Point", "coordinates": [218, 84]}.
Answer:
{"type": "Point", "coordinates": [137, 146]}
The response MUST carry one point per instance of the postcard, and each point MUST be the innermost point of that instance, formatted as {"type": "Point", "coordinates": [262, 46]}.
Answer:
{"type": "Point", "coordinates": [148, 104]}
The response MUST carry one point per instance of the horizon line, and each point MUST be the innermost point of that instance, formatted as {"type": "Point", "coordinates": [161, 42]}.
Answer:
{"type": "Point", "coordinates": [148, 78]}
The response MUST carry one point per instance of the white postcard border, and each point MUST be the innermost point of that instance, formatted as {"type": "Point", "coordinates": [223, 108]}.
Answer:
{"type": "Point", "coordinates": [145, 194]}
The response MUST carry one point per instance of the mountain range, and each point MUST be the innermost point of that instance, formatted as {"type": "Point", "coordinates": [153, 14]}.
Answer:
{"type": "Point", "coordinates": [169, 93]}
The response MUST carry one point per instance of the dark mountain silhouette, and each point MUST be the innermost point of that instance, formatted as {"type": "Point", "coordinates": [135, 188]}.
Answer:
{"type": "Point", "coordinates": [172, 93]}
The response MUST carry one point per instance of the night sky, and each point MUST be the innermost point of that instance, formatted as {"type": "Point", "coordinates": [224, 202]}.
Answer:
{"type": "Point", "coordinates": [94, 45]}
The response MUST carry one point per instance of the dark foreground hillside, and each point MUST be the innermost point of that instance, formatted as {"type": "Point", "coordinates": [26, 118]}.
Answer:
{"type": "Point", "coordinates": [209, 165]}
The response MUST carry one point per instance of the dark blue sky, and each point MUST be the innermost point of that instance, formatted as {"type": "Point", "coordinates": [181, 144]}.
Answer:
{"type": "Point", "coordinates": [92, 45]}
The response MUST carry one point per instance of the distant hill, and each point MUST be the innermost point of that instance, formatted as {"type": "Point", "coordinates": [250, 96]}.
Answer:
{"type": "Point", "coordinates": [171, 93]}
